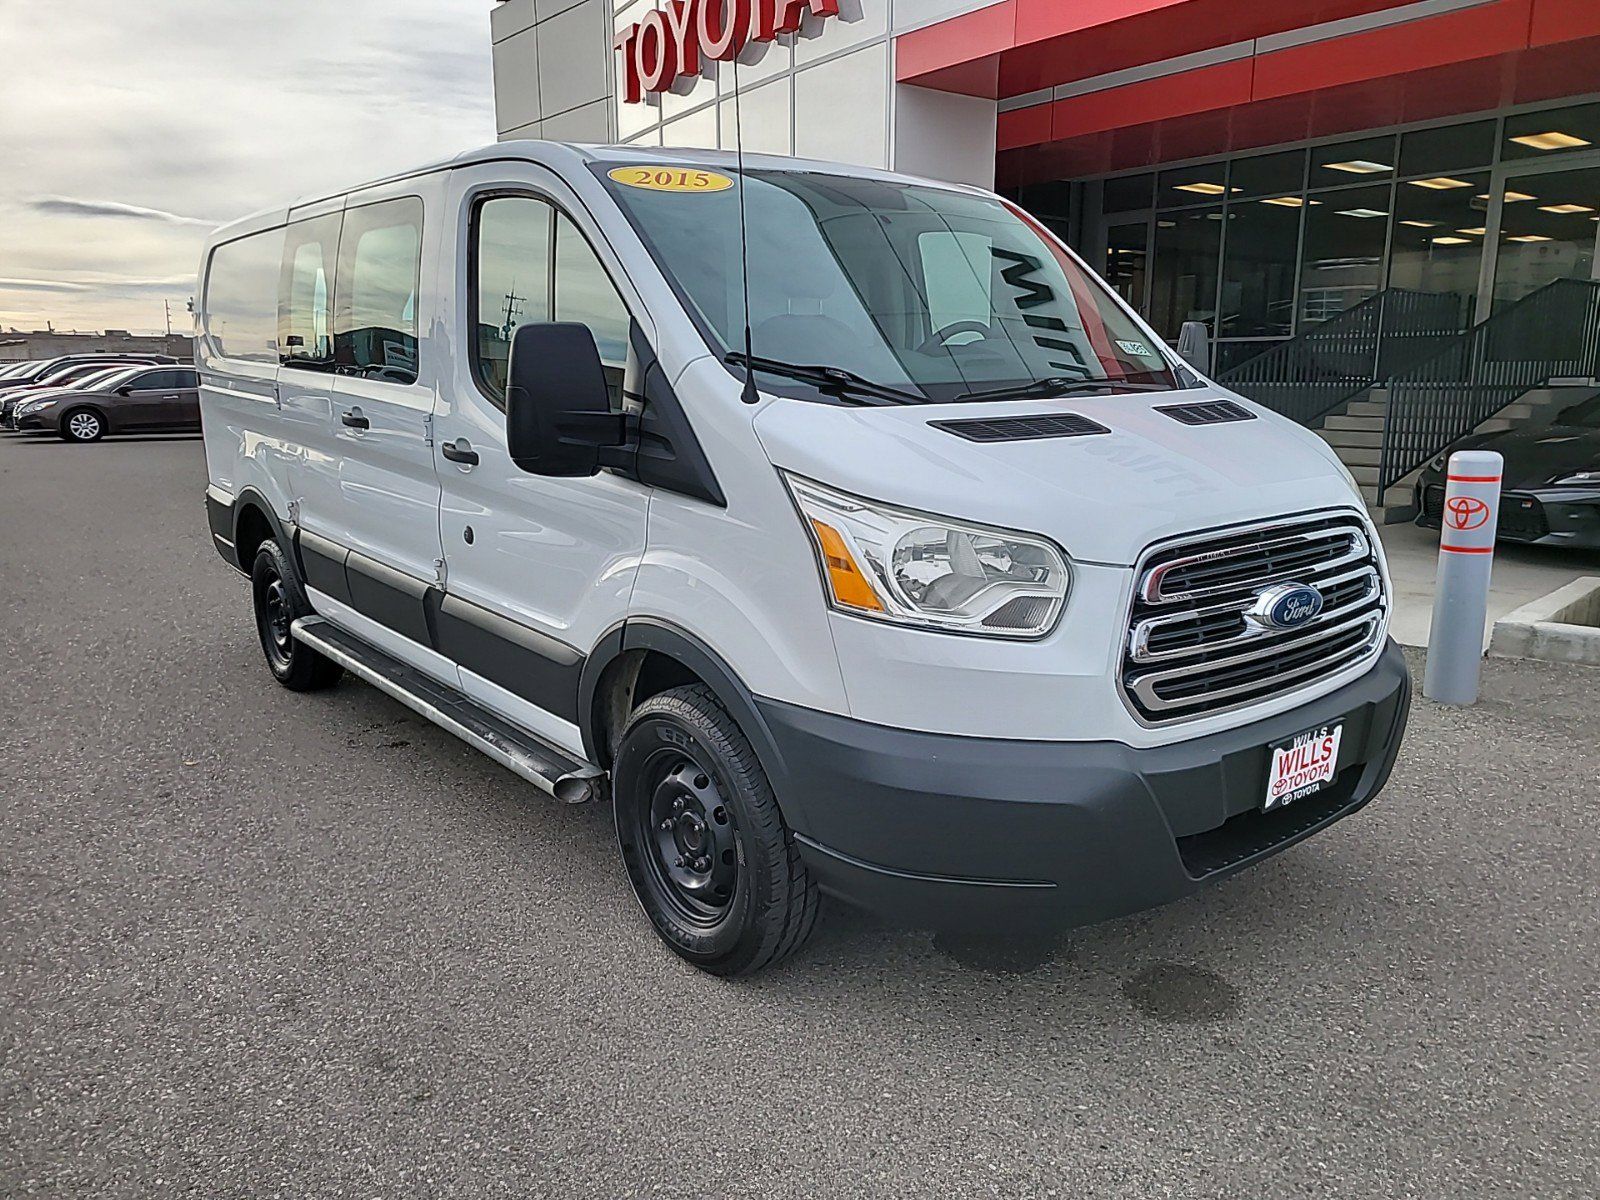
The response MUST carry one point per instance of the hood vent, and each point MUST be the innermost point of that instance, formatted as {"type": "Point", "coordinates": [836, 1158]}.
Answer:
{"type": "Point", "coordinates": [1022, 429]}
{"type": "Point", "coordinates": [1209, 412]}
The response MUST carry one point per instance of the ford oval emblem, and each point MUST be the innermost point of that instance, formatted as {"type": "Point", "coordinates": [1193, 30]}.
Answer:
{"type": "Point", "coordinates": [1285, 606]}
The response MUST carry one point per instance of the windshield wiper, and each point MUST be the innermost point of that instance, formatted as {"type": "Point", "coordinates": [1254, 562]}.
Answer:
{"type": "Point", "coordinates": [832, 381]}
{"type": "Point", "coordinates": [1058, 385]}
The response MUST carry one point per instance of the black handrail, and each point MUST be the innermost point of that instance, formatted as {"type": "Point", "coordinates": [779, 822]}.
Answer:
{"type": "Point", "coordinates": [1308, 377]}
{"type": "Point", "coordinates": [1552, 333]}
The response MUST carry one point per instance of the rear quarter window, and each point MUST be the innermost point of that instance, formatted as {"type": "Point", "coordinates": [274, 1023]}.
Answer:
{"type": "Point", "coordinates": [240, 307]}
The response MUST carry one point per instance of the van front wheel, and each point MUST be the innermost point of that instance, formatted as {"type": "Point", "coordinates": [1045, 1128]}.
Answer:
{"type": "Point", "coordinates": [706, 849]}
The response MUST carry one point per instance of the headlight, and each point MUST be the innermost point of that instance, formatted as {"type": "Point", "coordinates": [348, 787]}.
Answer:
{"type": "Point", "coordinates": [1576, 479]}
{"type": "Point", "coordinates": [28, 406]}
{"type": "Point", "coordinates": [910, 568]}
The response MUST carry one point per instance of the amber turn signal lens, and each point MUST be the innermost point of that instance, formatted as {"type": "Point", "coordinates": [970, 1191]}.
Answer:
{"type": "Point", "coordinates": [850, 586]}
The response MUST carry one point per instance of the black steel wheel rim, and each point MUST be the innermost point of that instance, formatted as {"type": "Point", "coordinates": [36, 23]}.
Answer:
{"type": "Point", "coordinates": [687, 838]}
{"type": "Point", "coordinates": [275, 620]}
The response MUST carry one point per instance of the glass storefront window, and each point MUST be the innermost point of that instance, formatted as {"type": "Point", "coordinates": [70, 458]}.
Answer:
{"type": "Point", "coordinates": [1346, 231]}
{"type": "Point", "coordinates": [1549, 237]}
{"type": "Point", "coordinates": [1270, 175]}
{"type": "Point", "coordinates": [1552, 132]}
{"type": "Point", "coordinates": [1353, 162]}
{"type": "Point", "coordinates": [1183, 283]}
{"type": "Point", "coordinates": [1126, 256]}
{"type": "Point", "coordinates": [1435, 248]}
{"type": "Point", "coordinates": [1203, 183]}
{"type": "Point", "coordinates": [1426, 151]}
{"type": "Point", "coordinates": [1127, 193]}
{"type": "Point", "coordinates": [1263, 241]}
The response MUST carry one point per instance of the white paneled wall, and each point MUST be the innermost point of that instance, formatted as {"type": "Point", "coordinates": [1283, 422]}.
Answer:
{"type": "Point", "coordinates": [826, 92]}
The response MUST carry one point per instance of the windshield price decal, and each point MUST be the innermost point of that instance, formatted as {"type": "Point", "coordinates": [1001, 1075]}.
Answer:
{"type": "Point", "coordinates": [671, 179]}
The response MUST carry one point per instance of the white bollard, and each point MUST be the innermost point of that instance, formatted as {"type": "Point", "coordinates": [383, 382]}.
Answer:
{"type": "Point", "coordinates": [1461, 592]}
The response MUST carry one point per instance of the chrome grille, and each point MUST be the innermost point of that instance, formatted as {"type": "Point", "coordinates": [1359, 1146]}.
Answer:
{"type": "Point", "coordinates": [1192, 651]}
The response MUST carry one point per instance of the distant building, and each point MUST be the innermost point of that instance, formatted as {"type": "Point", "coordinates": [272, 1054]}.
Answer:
{"type": "Point", "coordinates": [16, 345]}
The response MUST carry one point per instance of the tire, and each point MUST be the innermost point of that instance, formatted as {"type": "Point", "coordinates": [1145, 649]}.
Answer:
{"type": "Point", "coordinates": [279, 601]}
{"type": "Point", "coordinates": [688, 788]}
{"type": "Point", "coordinates": [81, 425]}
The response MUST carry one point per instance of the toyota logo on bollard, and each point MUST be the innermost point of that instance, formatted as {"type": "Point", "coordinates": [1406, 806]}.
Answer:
{"type": "Point", "coordinates": [1466, 512]}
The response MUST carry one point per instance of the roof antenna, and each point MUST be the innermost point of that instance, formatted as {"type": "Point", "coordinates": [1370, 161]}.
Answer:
{"type": "Point", "coordinates": [748, 394]}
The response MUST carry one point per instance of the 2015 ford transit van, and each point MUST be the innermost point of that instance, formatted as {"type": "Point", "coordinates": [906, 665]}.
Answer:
{"type": "Point", "coordinates": [842, 531]}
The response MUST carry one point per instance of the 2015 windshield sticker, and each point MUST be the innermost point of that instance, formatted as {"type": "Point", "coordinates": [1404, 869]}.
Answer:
{"type": "Point", "coordinates": [1137, 348]}
{"type": "Point", "coordinates": [671, 179]}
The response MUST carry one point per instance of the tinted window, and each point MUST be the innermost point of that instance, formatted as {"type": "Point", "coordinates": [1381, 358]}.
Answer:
{"type": "Point", "coordinates": [241, 311]}
{"type": "Point", "coordinates": [1451, 148]}
{"type": "Point", "coordinates": [305, 293]}
{"type": "Point", "coordinates": [515, 236]}
{"type": "Point", "coordinates": [375, 295]}
{"type": "Point", "coordinates": [1278, 175]}
{"type": "Point", "coordinates": [160, 381]}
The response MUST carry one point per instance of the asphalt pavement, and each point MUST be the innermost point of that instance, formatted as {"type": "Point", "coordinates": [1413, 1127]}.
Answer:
{"type": "Point", "coordinates": [261, 944]}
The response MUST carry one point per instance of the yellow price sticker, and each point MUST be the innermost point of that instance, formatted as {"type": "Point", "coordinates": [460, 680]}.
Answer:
{"type": "Point", "coordinates": [671, 179]}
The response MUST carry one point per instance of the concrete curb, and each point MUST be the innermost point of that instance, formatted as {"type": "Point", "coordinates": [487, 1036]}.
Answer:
{"type": "Point", "coordinates": [1561, 627]}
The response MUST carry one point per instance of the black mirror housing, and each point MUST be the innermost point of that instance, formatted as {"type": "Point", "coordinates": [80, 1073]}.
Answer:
{"type": "Point", "coordinates": [559, 420]}
{"type": "Point", "coordinates": [125, 390]}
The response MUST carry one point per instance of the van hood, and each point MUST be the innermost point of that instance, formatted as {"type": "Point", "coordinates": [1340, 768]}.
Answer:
{"type": "Point", "coordinates": [1103, 497]}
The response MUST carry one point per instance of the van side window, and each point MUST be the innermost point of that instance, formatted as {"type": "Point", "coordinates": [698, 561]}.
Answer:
{"type": "Point", "coordinates": [375, 291]}
{"type": "Point", "coordinates": [515, 240]}
{"type": "Point", "coordinates": [531, 263]}
{"type": "Point", "coordinates": [305, 293]}
{"type": "Point", "coordinates": [241, 319]}
{"type": "Point", "coordinates": [584, 293]}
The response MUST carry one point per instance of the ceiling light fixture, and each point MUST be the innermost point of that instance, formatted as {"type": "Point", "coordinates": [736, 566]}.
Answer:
{"type": "Point", "coordinates": [1451, 241]}
{"type": "Point", "coordinates": [1440, 183]}
{"type": "Point", "coordinates": [1565, 209]}
{"type": "Point", "coordinates": [1203, 189]}
{"type": "Point", "coordinates": [1477, 232]}
{"type": "Point", "coordinates": [1529, 237]}
{"type": "Point", "coordinates": [1361, 212]}
{"type": "Point", "coordinates": [1421, 224]}
{"type": "Point", "coordinates": [1554, 140]}
{"type": "Point", "coordinates": [1359, 166]}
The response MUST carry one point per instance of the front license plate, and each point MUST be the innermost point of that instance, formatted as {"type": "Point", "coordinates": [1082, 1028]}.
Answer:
{"type": "Point", "coordinates": [1302, 765]}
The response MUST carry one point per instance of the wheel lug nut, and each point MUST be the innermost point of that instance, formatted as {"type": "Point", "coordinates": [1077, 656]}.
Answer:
{"type": "Point", "coordinates": [666, 824]}
{"type": "Point", "coordinates": [702, 863]}
{"type": "Point", "coordinates": [679, 860]}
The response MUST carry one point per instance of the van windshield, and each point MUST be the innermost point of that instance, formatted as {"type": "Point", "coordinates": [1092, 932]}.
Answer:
{"type": "Point", "coordinates": [936, 294]}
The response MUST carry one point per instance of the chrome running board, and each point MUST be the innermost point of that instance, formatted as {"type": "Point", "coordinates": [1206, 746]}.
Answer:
{"type": "Point", "coordinates": [552, 771]}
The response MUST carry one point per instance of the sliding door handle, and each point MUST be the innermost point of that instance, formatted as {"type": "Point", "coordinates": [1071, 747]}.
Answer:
{"type": "Point", "coordinates": [355, 420]}
{"type": "Point", "coordinates": [460, 451]}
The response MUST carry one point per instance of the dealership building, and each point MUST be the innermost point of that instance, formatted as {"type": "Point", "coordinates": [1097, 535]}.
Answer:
{"type": "Point", "coordinates": [1338, 190]}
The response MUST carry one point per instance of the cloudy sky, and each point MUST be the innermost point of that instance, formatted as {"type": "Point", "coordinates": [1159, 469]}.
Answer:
{"type": "Point", "coordinates": [128, 130]}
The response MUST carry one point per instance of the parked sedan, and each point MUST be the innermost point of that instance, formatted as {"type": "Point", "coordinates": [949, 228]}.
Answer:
{"type": "Point", "coordinates": [1551, 493]}
{"type": "Point", "coordinates": [132, 400]}
{"type": "Point", "coordinates": [72, 369]}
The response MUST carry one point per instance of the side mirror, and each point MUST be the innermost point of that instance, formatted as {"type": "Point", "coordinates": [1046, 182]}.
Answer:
{"type": "Point", "coordinates": [558, 408]}
{"type": "Point", "coordinates": [1194, 346]}
{"type": "Point", "coordinates": [125, 390]}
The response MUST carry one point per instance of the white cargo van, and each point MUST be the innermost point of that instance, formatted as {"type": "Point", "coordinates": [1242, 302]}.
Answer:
{"type": "Point", "coordinates": [897, 560]}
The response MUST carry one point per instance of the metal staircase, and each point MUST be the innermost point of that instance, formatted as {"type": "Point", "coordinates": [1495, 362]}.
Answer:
{"type": "Point", "coordinates": [1321, 370]}
{"type": "Point", "coordinates": [1428, 382]}
{"type": "Point", "coordinates": [1549, 335]}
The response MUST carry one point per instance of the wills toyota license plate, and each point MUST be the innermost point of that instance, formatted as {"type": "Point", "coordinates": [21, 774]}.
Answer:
{"type": "Point", "coordinates": [1302, 765]}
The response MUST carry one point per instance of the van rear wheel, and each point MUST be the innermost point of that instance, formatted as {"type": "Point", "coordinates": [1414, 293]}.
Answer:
{"type": "Point", "coordinates": [279, 602]}
{"type": "Point", "coordinates": [705, 847]}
